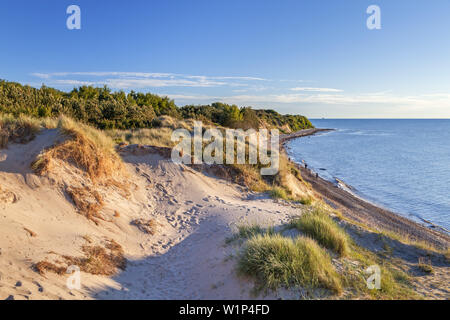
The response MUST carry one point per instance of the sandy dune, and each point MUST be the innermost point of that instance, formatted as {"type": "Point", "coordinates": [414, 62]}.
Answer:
{"type": "Point", "coordinates": [185, 259]}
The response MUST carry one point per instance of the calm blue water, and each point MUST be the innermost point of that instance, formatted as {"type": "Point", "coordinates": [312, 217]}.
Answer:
{"type": "Point", "coordinates": [403, 165]}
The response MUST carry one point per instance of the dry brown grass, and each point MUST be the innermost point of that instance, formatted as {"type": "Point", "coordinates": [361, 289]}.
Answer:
{"type": "Point", "coordinates": [146, 226]}
{"type": "Point", "coordinates": [97, 260]}
{"type": "Point", "coordinates": [89, 202]}
{"type": "Point", "coordinates": [100, 260]}
{"type": "Point", "coordinates": [87, 148]}
{"type": "Point", "coordinates": [158, 137]}
{"type": "Point", "coordinates": [92, 152]}
{"type": "Point", "coordinates": [43, 267]}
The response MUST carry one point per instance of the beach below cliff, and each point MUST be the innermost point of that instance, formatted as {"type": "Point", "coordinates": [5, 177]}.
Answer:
{"type": "Point", "coordinates": [338, 196]}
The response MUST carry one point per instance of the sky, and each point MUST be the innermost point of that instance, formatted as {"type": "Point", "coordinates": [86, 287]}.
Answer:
{"type": "Point", "coordinates": [315, 57]}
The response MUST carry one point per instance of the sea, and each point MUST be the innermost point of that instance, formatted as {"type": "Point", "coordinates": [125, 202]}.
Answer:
{"type": "Point", "coordinates": [401, 165]}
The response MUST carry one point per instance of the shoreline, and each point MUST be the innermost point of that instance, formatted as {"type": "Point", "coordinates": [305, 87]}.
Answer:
{"type": "Point", "coordinates": [363, 211]}
{"type": "Point", "coordinates": [284, 138]}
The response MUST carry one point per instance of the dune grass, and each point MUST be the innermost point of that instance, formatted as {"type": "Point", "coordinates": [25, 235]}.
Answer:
{"type": "Point", "coordinates": [395, 283]}
{"type": "Point", "coordinates": [307, 201]}
{"type": "Point", "coordinates": [317, 224]}
{"type": "Point", "coordinates": [88, 148]}
{"type": "Point", "coordinates": [274, 261]}
{"type": "Point", "coordinates": [99, 260]}
{"type": "Point", "coordinates": [278, 193]}
{"type": "Point", "coordinates": [20, 129]}
{"type": "Point", "coordinates": [247, 231]}
{"type": "Point", "coordinates": [425, 265]}
{"type": "Point", "coordinates": [159, 136]}
{"type": "Point", "coordinates": [91, 151]}
{"type": "Point", "coordinates": [105, 260]}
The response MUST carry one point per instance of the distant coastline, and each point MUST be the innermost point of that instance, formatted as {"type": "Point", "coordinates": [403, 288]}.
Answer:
{"type": "Point", "coordinates": [284, 138]}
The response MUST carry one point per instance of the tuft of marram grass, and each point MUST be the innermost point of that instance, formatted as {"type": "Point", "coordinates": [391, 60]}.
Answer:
{"type": "Point", "coordinates": [20, 129]}
{"type": "Point", "coordinates": [317, 224]}
{"type": "Point", "coordinates": [425, 265]}
{"type": "Point", "coordinates": [278, 193]}
{"type": "Point", "coordinates": [307, 201]}
{"type": "Point", "coordinates": [88, 148]}
{"type": "Point", "coordinates": [159, 137]}
{"type": "Point", "coordinates": [274, 261]}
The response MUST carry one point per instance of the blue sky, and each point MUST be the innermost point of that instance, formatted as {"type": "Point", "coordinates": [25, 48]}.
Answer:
{"type": "Point", "coordinates": [316, 58]}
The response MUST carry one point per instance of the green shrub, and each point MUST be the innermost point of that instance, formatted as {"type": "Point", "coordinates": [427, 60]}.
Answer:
{"type": "Point", "coordinates": [105, 109]}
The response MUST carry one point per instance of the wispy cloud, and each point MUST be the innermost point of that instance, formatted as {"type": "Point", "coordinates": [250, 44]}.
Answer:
{"type": "Point", "coordinates": [65, 82]}
{"type": "Point", "coordinates": [249, 90]}
{"type": "Point", "coordinates": [128, 80]}
{"type": "Point", "coordinates": [309, 89]}
{"type": "Point", "coordinates": [439, 100]}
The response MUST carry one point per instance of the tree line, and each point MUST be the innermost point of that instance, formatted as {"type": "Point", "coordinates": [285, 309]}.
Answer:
{"type": "Point", "coordinates": [105, 109]}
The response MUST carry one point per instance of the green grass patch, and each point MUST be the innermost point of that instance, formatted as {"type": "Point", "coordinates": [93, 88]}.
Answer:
{"type": "Point", "coordinates": [274, 261]}
{"type": "Point", "coordinates": [307, 201]}
{"type": "Point", "coordinates": [279, 193]}
{"type": "Point", "coordinates": [317, 224]}
{"type": "Point", "coordinates": [395, 283]}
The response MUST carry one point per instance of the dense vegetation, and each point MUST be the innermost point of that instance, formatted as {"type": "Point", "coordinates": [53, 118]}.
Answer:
{"type": "Point", "coordinates": [108, 110]}
{"type": "Point", "coordinates": [245, 118]}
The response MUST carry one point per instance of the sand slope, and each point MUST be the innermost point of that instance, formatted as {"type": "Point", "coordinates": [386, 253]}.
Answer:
{"type": "Point", "coordinates": [185, 259]}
